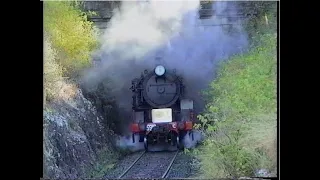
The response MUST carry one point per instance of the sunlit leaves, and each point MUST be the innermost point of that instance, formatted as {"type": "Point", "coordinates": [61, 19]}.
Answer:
{"type": "Point", "coordinates": [71, 34]}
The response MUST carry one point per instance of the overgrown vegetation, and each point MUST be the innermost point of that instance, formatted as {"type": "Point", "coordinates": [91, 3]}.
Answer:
{"type": "Point", "coordinates": [264, 21]}
{"type": "Point", "coordinates": [69, 41]}
{"type": "Point", "coordinates": [71, 34]}
{"type": "Point", "coordinates": [105, 162]}
{"type": "Point", "coordinates": [52, 71]}
{"type": "Point", "coordinates": [240, 117]}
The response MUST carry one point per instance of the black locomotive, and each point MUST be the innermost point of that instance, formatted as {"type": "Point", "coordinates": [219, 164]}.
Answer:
{"type": "Point", "coordinates": [160, 111]}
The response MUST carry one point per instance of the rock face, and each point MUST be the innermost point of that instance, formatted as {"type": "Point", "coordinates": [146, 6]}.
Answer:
{"type": "Point", "coordinates": [74, 136]}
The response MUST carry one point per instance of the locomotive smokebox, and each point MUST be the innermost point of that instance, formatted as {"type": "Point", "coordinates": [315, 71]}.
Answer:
{"type": "Point", "coordinates": [161, 88]}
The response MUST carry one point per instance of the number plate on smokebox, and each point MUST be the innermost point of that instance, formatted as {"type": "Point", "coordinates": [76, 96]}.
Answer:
{"type": "Point", "coordinates": [157, 128]}
{"type": "Point", "coordinates": [150, 127]}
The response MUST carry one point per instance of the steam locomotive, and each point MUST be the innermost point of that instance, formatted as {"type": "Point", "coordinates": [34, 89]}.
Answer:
{"type": "Point", "coordinates": [160, 112]}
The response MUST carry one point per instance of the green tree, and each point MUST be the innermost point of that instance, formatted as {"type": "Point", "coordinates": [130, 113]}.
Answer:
{"type": "Point", "coordinates": [72, 35]}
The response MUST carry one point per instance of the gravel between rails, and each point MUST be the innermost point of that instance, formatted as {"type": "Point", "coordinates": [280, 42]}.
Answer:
{"type": "Point", "coordinates": [154, 164]}
{"type": "Point", "coordinates": [122, 165]}
{"type": "Point", "coordinates": [151, 165]}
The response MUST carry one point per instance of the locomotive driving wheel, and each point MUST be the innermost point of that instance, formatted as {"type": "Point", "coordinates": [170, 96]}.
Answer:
{"type": "Point", "coordinates": [145, 142]}
{"type": "Point", "coordinates": [178, 142]}
{"type": "Point", "coordinates": [179, 145]}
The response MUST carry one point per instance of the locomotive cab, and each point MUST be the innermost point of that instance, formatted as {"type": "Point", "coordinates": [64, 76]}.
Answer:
{"type": "Point", "coordinates": [160, 113]}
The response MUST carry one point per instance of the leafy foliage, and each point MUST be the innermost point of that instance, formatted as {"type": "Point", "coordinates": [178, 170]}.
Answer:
{"type": "Point", "coordinates": [240, 117]}
{"type": "Point", "coordinates": [265, 21]}
{"type": "Point", "coordinates": [71, 34]}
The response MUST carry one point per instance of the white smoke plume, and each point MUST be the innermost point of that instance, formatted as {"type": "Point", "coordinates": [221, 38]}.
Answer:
{"type": "Point", "coordinates": [142, 31]}
{"type": "Point", "coordinates": [125, 142]}
{"type": "Point", "coordinates": [189, 142]}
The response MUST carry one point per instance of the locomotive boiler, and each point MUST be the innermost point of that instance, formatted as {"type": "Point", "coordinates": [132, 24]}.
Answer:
{"type": "Point", "coordinates": [160, 112]}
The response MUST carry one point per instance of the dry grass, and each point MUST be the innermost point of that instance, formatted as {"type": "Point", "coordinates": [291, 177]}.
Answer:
{"type": "Point", "coordinates": [265, 135]}
{"type": "Point", "coordinates": [52, 71]}
{"type": "Point", "coordinates": [227, 155]}
{"type": "Point", "coordinates": [67, 91]}
{"type": "Point", "coordinates": [261, 139]}
{"type": "Point", "coordinates": [55, 88]}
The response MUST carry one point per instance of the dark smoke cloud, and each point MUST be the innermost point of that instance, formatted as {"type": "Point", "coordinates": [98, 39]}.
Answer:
{"type": "Point", "coordinates": [143, 31]}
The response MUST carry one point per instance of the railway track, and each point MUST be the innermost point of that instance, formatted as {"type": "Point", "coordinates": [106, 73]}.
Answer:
{"type": "Point", "coordinates": [150, 165]}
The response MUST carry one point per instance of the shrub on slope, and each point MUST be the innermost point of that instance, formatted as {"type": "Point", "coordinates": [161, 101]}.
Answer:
{"type": "Point", "coordinates": [240, 118]}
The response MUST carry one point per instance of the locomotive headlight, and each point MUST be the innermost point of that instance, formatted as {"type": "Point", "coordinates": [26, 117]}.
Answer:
{"type": "Point", "coordinates": [160, 70]}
